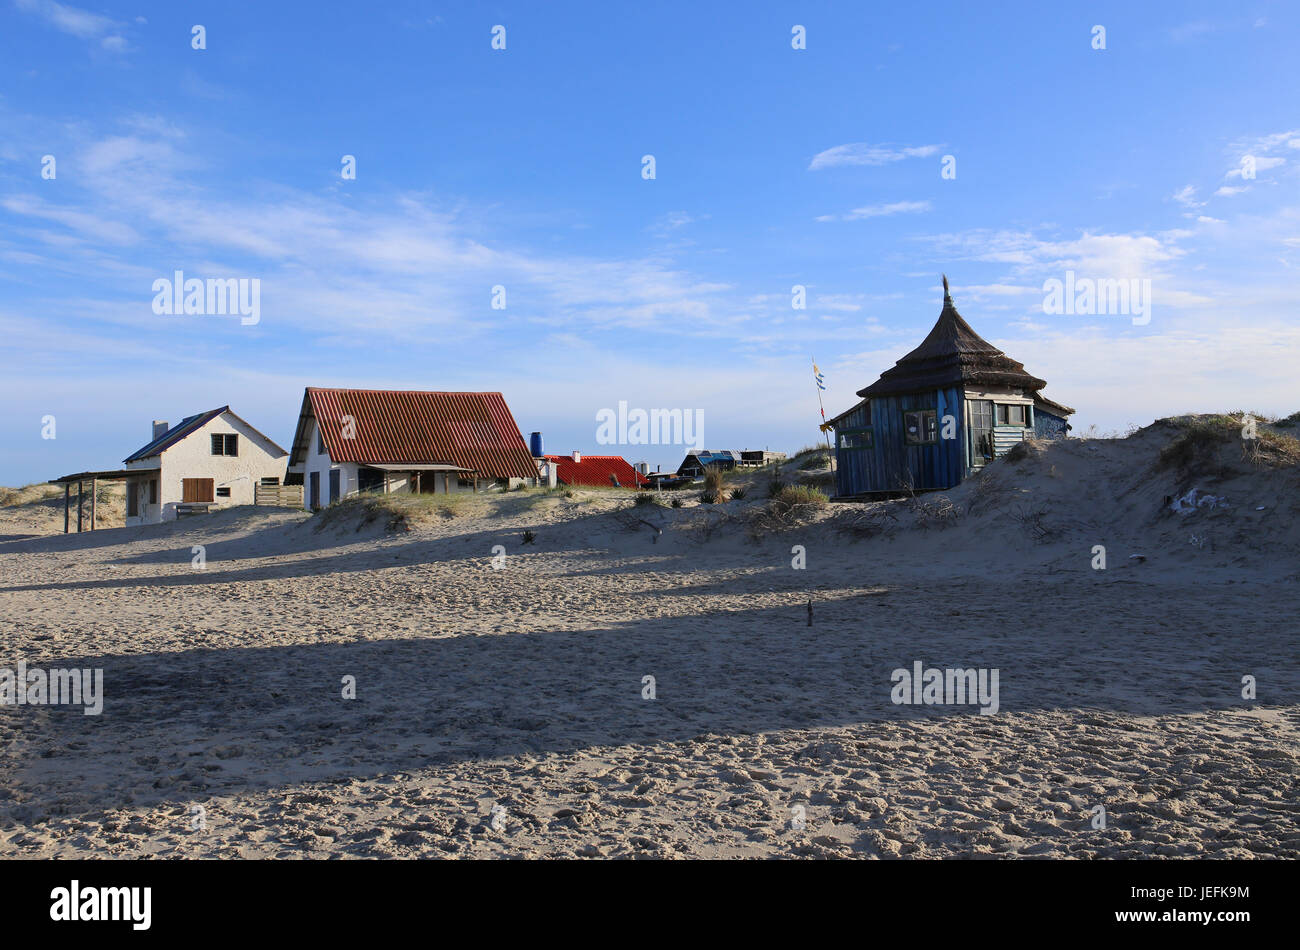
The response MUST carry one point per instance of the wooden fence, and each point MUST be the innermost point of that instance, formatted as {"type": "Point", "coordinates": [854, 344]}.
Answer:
{"type": "Point", "coordinates": [281, 496]}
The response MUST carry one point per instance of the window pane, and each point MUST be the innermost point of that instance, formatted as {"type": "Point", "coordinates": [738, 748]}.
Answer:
{"type": "Point", "coordinates": [920, 427]}
{"type": "Point", "coordinates": [217, 445]}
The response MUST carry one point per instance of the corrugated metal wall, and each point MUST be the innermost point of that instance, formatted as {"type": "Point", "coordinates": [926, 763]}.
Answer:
{"type": "Point", "coordinates": [1004, 437]}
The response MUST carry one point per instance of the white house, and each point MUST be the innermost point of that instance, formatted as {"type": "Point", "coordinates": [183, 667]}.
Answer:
{"type": "Point", "coordinates": [212, 460]}
{"type": "Point", "coordinates": [356, 440]}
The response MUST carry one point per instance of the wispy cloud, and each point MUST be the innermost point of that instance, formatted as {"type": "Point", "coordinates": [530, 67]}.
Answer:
{"type": "Point", "coordinates": [77, 22]}
{"type": "Point", "coordinates": [391, 266]}
{"type": "Point", "coordinates": [879, 211]}
{"type": "Point", "coordinates": [864, 153]}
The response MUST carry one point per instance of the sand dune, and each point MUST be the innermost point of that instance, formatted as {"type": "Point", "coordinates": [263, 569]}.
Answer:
{"type": "Point", "coordinates": [520, 689]}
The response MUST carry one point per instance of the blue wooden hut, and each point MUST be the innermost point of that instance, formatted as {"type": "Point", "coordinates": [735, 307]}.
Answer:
{"type": "Point", "coordinates": [942, 412]}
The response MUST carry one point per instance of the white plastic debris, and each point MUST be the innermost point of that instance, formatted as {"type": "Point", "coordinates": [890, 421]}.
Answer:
{"type": "Point", "coordinates": [1195, 499]}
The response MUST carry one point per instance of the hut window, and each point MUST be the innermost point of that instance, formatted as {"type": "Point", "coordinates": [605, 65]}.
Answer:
{"type": "Point", "coordinates": [225, 445]}
{"type": "Point", "coordinates": [1011, 415]}
{"type": "Point", "coordinates": [223, 492]}
{"type": "Point", "coordinates": [856, 439]}
{"type": "Point", "coordinates": [132, 500]}
{"type": "Point", "coordinates": [921, 427]}
{"type": "Point", "coordinates": [153, 491]}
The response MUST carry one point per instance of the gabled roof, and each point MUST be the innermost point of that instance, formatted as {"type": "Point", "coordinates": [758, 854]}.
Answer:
{"type": "Point", "coordinates": [595, 470]}
{"type": "Point", "coordinates": [1052, 406]}
{"type": "Point", "coordinates": [175, 434]}
{"type": "Point", "coordinates": [188, 426]}
{"type": "Point", "coordinates": [953, 354]}
{"type": "Point", "coordinates": [472, 430]}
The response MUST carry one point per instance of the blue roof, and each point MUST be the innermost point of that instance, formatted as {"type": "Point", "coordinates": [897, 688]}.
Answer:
{"type": "Point", "coordinates": [175, 434]}
{"type": "Point", "coordinates": [708, 458]}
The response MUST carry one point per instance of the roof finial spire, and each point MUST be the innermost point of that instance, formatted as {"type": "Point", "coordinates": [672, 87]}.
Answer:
{"type": "Point", "coordinates": [947, 298]}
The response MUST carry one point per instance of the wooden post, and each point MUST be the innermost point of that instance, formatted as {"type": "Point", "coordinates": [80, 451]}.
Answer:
{"type": "Point", "coordinates": [94, 486]}
{"type": "Point", "coordinates": [67, 506]}
{"type": "Point", "coordinates": [81, 494]}
{"type": "Point", "coordinates": [387, 489]}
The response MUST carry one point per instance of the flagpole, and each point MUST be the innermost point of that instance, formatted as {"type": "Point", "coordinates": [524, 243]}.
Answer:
{"type": "Point", "coordinates": [822, 407]}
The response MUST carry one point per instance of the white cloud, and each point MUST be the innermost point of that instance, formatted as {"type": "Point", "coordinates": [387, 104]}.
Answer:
{"type": "Point", "coordinates": [1262, 164]}
{"type": "Point", "coordinates": [864, 153]}
{"type": "Point", "coordinates": [77, 22]}
{"type": "Point", "coordinates": [879, 211]}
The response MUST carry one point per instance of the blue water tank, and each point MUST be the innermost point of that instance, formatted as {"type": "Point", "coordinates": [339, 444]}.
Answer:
{"type": "Point", "coordinates": [535, 444]}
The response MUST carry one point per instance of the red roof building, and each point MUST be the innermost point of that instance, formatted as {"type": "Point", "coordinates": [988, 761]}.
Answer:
{"type": "Point", "coordinates": [596, 471]}
{"type": "Point", "coordinates": [472, 432]}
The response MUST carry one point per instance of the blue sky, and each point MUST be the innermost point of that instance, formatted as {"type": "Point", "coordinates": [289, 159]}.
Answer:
{"type": "Point", "coordinates": [522, 168]}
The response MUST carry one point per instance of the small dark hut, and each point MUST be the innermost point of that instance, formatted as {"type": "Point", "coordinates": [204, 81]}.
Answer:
{"type": "Point", "coordinates": [944, 411]}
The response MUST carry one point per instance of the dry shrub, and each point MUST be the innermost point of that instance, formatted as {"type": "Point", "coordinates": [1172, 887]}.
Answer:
{"type": "Point", "coordinates": [869, 521]}
{"type": "Point", "coordinates": [715, 483]}
{"type": "Point", "coordinates": [398, 511]}
{"type": "Point", "coordinates": [1198, 444]}
{"type": "Point", "coordinates": [1201, 439]}
{"type": "Point", "coordinates": [986, 491]}
{"type": "Point", "coordinates": [1271, 450]}
{"type": "Point", "coordinates": [39, 491]}
{"type": "Point", "coordinates": [939, 513]}
{"type": "Point", "coordinates": [1025, 449]}
{"type": "Point", "coordinates": [791, 505]}
{"type": "Point", "coordinates": [1033, 520]}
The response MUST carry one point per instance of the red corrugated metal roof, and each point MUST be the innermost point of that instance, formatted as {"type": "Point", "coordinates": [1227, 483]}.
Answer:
{"type": "Point", "coordinates": [473, 430]}
{"type": "Point", "coordinates": [594, 470]}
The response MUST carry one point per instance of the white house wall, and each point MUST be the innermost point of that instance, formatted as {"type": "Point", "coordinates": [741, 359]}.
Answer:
{"type": "Point", "coordinates": [349, 474]}
{"type": "Point", "coordinates": [192, 457]}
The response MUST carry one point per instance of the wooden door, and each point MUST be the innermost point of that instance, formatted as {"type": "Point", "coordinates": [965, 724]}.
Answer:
{"type": "Point", "coordinates": [314, 494]}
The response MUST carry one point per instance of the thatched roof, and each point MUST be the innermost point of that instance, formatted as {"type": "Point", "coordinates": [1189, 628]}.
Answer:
{"type": "Point", "coordinates": [953, 354]}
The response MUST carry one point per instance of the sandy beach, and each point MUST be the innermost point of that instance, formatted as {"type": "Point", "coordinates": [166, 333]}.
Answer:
{"type": "Point", "coordinates": [499, 712]}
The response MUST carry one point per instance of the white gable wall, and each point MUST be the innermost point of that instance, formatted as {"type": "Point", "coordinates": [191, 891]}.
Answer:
{"type": "Point", "coordinates": [192, 457]}
{"type": "Point", "coordinates": [320, 463]}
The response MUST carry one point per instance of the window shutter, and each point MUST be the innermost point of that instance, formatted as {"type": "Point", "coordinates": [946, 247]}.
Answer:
{"type": "Point", "coordinates": [197, 490]}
